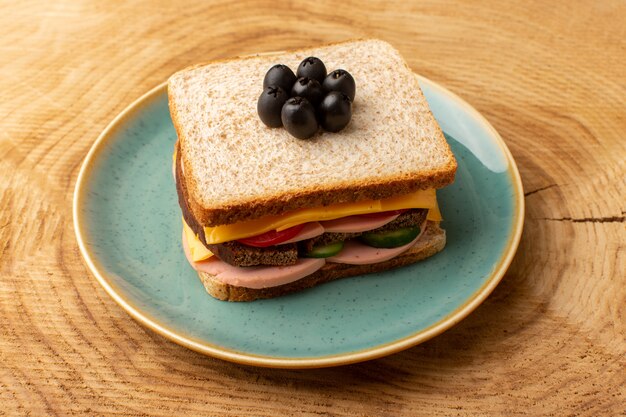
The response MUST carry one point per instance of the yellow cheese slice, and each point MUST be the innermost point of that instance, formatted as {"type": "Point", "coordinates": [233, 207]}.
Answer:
{"type": "Point", "coordinates": [197, 250]}
{"type": "Point", "coordinates": [434, 215]}
{"type": "Point", "coordinates": [420, 199]}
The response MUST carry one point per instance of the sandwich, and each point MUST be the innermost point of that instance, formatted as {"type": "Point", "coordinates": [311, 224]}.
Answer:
{"type": "Point", "coordinates": [266, 212]}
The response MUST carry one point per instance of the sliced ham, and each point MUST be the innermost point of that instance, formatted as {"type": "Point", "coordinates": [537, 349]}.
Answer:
{"type": "Point", "coordinates": [356, 224]}
{"type": "Point", "coordinates": [255, 276]}
{"type": "Point", "coordinates": [357, 253]}
{"type": "Point", "coordinates": [309, 231]}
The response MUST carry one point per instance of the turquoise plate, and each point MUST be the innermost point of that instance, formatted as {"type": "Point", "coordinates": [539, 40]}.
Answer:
{"type": "Point", "coordinates": [128, 227]}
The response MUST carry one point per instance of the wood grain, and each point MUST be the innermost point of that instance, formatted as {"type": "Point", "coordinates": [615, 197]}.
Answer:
{"type": "Point", "coordinates": [550, 76]}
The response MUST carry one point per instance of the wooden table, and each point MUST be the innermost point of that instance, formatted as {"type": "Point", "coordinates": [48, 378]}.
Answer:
{"type": "Point", "coordinates": [550, 76]}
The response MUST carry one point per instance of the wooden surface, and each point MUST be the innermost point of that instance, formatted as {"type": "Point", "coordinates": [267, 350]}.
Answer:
{"type": "Point", "coordinates": [550, 76]}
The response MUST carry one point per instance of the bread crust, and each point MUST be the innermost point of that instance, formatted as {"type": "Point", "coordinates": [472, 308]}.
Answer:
{"type": "Point", "coordinates": [321, 195]}
{"type": "Point", "coordinates": [432, 241]}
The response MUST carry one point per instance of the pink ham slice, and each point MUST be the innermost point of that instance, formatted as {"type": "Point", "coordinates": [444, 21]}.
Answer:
{"type": "Point", "coordinates": [255, 276]}
{"type": "Point", "coordinates": [309, 231]}
{"type": "Point", "coordinates": [356, 224]}
{"type": "Point", "coordinates": [356, 253]}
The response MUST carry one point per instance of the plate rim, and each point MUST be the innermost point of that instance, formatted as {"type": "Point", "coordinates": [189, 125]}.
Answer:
{"type": "Point", "coordinates": [232, 355]}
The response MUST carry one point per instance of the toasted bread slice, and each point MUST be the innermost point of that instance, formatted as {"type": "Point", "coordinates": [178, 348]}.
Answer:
{"type": "Point", "coordinates": [432, 241]}
{"type": "Point", "coordinates": [236, 168]}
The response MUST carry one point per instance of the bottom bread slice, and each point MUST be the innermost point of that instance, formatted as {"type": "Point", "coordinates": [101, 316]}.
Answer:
{"type": "Point", "coordinates": [432, 241]}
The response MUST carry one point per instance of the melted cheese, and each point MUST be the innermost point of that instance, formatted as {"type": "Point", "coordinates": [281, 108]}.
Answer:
{"type": "Point", "coordinates": [421, 199]}
{"type": "Point", "coordinates": [197, 250]}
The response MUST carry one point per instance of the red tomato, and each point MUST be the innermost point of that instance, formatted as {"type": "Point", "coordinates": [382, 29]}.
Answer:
{"type": "Point", "coordinates": [272, 237]}
{"type": "Point", "coordinates": [382, 213]}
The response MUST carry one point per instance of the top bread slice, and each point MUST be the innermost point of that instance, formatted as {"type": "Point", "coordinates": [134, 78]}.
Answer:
{"type": "Point", "coordinates": [237, 169]}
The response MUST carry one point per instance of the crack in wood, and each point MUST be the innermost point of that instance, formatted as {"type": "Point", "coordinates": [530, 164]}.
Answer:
{"type": "Point", "coordinates": [540, 189]}
{"type": "Point", "coordinates": [612, 219]}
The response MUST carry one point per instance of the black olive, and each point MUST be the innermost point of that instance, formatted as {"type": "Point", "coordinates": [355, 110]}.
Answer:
{"type": "Point", "coordinates": [308, 88]}
{"type": "Point", "coordinates": [340, 80]}
{"type": "Point", "coordinates": [312, 67]}
{"type": "Point", "coordinates": [298, 117]}
{"type": "Point", "coordinates": [335, 111]}
{"type": "Point", "coordinates": [279, 76]}
{"type": "Point", "coordinates": [270, 104]}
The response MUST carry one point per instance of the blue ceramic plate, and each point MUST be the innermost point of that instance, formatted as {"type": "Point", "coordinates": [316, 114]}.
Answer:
{"type": "Point", "coordinates": [128, 228]}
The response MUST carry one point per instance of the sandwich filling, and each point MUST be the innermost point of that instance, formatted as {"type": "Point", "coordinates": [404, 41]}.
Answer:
{"type": "Point", "coordinates": [276, 250]}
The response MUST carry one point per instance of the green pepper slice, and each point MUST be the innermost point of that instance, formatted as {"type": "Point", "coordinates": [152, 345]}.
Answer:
{"type": "Point", "coordinates": [325, 251]}
{"type": "Point", "coordinates": [391, 238]}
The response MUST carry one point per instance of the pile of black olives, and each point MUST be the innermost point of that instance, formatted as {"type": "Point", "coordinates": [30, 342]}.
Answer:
{"type": "Point", "coordinates": [310, 98]}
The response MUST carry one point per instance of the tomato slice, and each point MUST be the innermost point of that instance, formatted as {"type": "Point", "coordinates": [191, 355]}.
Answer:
{"type": "Point", "coordinates": [382, 213]}
{"type": "Point", "coordinates": [271, 238]}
